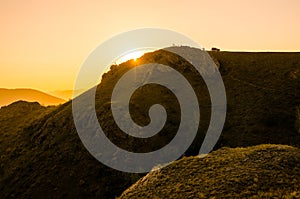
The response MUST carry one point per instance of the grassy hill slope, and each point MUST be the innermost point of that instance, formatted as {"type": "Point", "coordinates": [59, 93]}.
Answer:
{"type": "Point", "coordinates": [14, 143]}
{"type": "Point", "coordinates": [262, 93]}
{"type": "Point", "coordinates": [263, 171]}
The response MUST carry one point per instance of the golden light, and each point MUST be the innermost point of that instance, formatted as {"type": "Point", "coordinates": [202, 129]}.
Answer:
{"type": "Point", "coordinates": [131, 55]}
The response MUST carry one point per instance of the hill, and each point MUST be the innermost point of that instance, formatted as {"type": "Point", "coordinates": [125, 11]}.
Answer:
{"type": "Point", "coordinates": [8, 96]}
{"type": "Point", "coordinates": [264, 171]}
{"type": "Point", "coordinates": [13, 119]}
{"type": "Point", "coordinates": [263, 96]}
{"type": "Point", "coordinates": [42, 157]}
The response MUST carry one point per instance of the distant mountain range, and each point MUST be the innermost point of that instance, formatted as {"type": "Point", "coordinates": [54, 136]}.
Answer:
{"type": "Point", "coordinates": [8, 96]}
{"type": "Point", "coordinates": [64, 94]}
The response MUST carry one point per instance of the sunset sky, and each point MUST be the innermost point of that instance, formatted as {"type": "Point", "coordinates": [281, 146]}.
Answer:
{"type": "Point", "coordinates": [44, 43]}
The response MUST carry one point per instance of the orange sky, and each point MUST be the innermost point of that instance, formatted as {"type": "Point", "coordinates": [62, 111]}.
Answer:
{"type": "Point", "coordinates": [43, 43]}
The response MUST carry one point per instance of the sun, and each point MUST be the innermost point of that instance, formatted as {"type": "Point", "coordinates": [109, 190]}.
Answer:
{"type": "Point", "coordinates": [131, 55]}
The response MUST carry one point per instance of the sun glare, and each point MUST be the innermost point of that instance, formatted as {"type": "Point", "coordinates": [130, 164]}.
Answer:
{"type": "Point", "coordinates": [131, 55]}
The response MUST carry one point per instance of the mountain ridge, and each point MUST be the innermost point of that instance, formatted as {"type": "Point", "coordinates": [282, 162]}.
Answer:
{"type": "Point", "coordinates": [54, 162]}
{"type": "Point", "coordinates": [8, 96]}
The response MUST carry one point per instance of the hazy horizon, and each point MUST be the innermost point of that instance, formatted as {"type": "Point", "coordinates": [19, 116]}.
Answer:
{"type": "Point", "coordinates": [60, 92]}
{"type": "Point", "coordinates": [44, 43]}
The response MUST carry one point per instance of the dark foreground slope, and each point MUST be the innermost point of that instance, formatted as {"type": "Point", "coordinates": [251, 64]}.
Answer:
{"type": "Point", "coordinates": [263, 171]}
{"type": "Point", "coordinates": [13, 119]}
{"type": "Point", "coordinates": [262, 93]}
{"type": "Point", "coordinates": [13, 142]}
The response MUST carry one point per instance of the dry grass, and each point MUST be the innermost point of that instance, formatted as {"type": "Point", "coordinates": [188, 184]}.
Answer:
{"type": "Point", "coordinates": [264, 171]}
